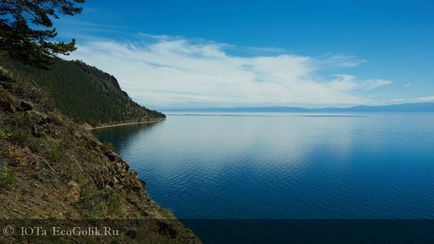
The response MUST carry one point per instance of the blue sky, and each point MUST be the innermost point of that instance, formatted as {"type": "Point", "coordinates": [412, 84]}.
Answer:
{"type": "Point", "coordinates": [260, 53]}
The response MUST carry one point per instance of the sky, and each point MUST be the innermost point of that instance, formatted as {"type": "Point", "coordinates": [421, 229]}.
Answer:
{"type": "Point", "coordinates": [195, 53]}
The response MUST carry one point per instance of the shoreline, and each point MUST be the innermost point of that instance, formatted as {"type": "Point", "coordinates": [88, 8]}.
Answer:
{"type": "Point", "coordinates": [125, 124]}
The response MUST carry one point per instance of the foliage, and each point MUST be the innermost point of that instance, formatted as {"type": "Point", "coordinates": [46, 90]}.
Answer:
{"type": "Point", "coordinates": [109, 146]}
{"type": "Point", "coordinates": [6, 177]}
{"type": "Point", "coordinates": [166, 213]}
{"type": "Point", "coordinates": [84, 93]}
{"type": "Point", "coordinates": [21, 136]}
{"type": "Point", "coordinates": [56, 154]}
{"type": "Point", "coordinates": [21, 133]}
{"type": "Point", "coordinates": [114, 202]}
{"type": "Point", "coordinates": [56, 117]}
{"type": "Point", "coordinates": [5, 134]}
{"type": "Point", "coordinates": [95, 203]}
{"type": "Point", "coordinates": [26, 27]}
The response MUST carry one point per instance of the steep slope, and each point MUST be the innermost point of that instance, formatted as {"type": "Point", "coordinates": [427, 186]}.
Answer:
{"type": "Point", "coordinates": [83, 92]}
{"type": "Point", "coordinates": [52, 167]}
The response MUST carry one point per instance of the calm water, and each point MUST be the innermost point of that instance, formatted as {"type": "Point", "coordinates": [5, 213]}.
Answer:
{"type": "Point", "coordinates": [285, 165]}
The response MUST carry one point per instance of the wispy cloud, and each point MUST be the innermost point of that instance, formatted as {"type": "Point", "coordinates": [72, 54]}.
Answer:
{"type": "Point", "coordinates": [340, 60]}
{"type": "Point", "coordinates": [166, 71]}
{"type": "Point", "coordinates": [425, 99]}
{"type": "Point", "coordinates": [397, 100]}
{"type": "Point", "coordinates": [375, 83]}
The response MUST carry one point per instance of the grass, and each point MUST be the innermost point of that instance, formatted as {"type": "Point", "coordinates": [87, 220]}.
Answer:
{"type": "Point", "coordinates": [166, 213]}
{"type": "Point", "coordinates": [96, 204]}
{"type": "Point", "coordinates": [56, 117]}
{"type": "Point", "coordinates": [21, 136]}
{"type": "Point", "coordinates": [56, 154]}
{"type": "Point", "coordinates": [5, 134]}
{"type": "Point", "coordinates": [114, 202]}
{"type": "Point", "coordinates": [7, 178]}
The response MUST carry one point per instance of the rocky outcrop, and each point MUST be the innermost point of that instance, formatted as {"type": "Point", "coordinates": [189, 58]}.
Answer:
{"type": "Point", "coordinates": [57, 169]}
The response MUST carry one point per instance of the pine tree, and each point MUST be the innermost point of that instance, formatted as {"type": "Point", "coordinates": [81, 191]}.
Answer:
{"type": "Point", "coordinates": [26, 28]}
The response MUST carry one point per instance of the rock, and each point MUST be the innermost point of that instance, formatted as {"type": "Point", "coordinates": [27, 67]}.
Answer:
{"type": "Point", "coordinates": [111, 184]}
{"type": "Point", "coordinates": [25, 106]}
{"type": "Point", "coordinates": [115, 179]}
{"type": "Point", "coordinates": [137, 186]}
{"type": "Point", "coordinates": [73, 194]}
{"type": "Point", "coordinates": [167, 229]}
{"type": "Point", "coordinates": [111, 155]}
{"type": "Point", "coordinates": [40, 128]}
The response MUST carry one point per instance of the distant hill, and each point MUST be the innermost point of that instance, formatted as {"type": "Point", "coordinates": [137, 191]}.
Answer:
{"type": "Point", "coordinates": [84, 93]}
{"type": "Point", "coordinates": [406, 107]}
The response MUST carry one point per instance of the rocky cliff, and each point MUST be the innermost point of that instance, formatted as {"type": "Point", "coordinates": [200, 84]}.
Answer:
{"type": "Point", "coordinates": [52, 167]}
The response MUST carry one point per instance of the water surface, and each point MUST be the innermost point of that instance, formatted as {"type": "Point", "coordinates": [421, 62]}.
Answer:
{"type": "Point", "coordinates": [251, 166]}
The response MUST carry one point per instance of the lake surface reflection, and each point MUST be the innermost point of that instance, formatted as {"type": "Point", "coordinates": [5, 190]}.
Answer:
{"type": "Point", "coordinates": [285, 165]}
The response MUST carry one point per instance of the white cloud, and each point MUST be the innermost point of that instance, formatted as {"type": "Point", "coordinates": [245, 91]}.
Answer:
{"type": "Point", "coordinates": [166, 71]}
{"type": "Point", "coordinates": [425, 99]}
{"type": "Point", "coordinates": [397, 100]}
{"type": "Point", "coordinates": [375, 83]}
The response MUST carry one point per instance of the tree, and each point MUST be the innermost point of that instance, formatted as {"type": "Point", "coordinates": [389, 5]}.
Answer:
{"type": "Point", "coordinates": [26, 28]}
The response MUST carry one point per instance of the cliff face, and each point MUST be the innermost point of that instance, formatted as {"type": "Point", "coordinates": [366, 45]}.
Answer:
{"type": "Point", "coordinates": [83, 93]}
{"type": "Point", "coordinates": [52, 167]}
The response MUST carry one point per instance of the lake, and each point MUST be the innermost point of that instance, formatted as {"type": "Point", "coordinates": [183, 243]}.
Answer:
{"type": "Point", "coordinates": [285, 166]}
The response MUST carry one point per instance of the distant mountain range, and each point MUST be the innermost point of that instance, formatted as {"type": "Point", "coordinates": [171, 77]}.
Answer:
{"type": "Point", "coordinates": [406, 107]}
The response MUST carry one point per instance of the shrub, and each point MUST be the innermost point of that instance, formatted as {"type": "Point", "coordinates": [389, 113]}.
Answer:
{"type": "Point", "coordinates": [109, 146]}
{"type": "Point", "coordinates": [96, 204]}
{"type": "Point", "coordinates": [5, 134]}
{"type": "Point", "coordinates": [21, 136]}
{"type": "Point", "coordinates": [114, 201]}
{"type": "Point", "coordinates": [56, 154]}
{"type": "Point", "coordinates": [56, 117]}
{"type": "Point", "coordinates": [6, 177]}
{"type": "Point", "coordinates": [166, 213]}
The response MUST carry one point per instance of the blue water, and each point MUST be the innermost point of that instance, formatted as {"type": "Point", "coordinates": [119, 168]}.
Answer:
{"type": "Point", "coordinates": [285, 165]}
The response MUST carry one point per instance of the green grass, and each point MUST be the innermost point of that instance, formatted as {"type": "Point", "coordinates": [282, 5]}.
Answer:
{"type": "Point", "coordinates": [5, 134]}
{"type": "Point", "coordinates": [56, 154]}
{"type": "Point", "coordinates": [97, 204]}
{"type": "Point", "coordinates": [165, 212]}
{"type": "Point", "coordinates": [7, 178]}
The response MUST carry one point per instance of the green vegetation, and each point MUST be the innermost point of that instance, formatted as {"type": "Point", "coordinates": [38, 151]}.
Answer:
{"type": "Point", "coordinates": [96, 204]}
{"type": "Point", "coordinates": [26, 27]}
{"type": "Point", "coordinates": [21, 137]}
{"type": "Point", "coordinates": [166, 213]}
{"type": "Point", "coordinates": [83, 92]}
{"type": "Point", "coordinates": [21, 133]}
{"type": "Point", "coordinates": [109, 146]}
{"type": "Point", "coordinates": [53, 168]}
{"type": "Point", "coordinates": [56, 117]}
{"type": "Point", "coordinates": [56, 154]}
{"type": "Point", "coordinates": [6, 177]}
{"type": "Point", "coordinates": [5, 134]}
